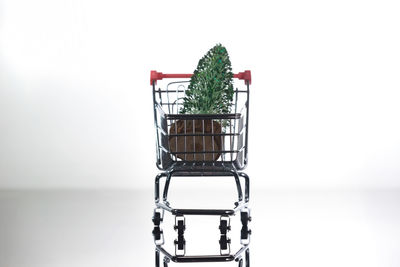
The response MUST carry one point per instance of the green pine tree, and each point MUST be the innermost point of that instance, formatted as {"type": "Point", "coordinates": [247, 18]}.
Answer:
{"type": "Point", "coordinates": [211, 87]}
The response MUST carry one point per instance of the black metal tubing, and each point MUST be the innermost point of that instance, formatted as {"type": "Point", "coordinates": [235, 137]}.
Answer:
{"type": "Point", "coordinates": [182, 91]}
{"type": "Point", "coordinates": [158, 161]}
{"type": "Point", "coordinates": [202, 134]}
{"type": "Point", "coordinates": [157, 258]}
{"type": "Point", "coordinates": [163, 251]}
{"type": "Point", "coordinates": [203, 116]}
{"type": "Point", "coordinates": [216, 212]}
{"type": "Point", "coordinates": [204, 152]}
{"type": "Point", "coordinates": [247, 127]}
{"type": "Point", "coordinates": [207, 174]}
{"type": "Point", "coordinates": [193, 169]}
{"type": "Point", "coordinates": [247, 185]}
{"type": "Point", "coordinates": [203, 258]}
{"type": "Point", "coordinates": [247, 257]}
{"type": "Point", "coordinates": [207, 258]}
{"type": "Point", "coordinates": [169, 175]}
{"type": "Point", "coordinates": [157, 186]}
{"type": "Point", "coordinates": [166, 187]}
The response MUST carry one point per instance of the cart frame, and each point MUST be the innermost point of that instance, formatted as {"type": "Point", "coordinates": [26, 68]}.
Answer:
{"type": "Point", "coordinates": [232, 150]}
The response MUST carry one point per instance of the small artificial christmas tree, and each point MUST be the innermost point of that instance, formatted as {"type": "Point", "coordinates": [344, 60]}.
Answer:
{"type": "Point", "coordinates": [211, 87]}
{"type": "Point", "coordinates": [210, 92]}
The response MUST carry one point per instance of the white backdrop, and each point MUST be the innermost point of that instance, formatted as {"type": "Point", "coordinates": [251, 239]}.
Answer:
{"type": "Point", "coordinates": [76, 107]}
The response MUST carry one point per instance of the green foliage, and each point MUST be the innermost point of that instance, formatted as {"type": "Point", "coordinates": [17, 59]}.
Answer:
{"type": "Point", "coordinates": [211, 87]}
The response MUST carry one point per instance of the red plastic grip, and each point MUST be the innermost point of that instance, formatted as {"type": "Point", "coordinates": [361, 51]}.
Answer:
{"type": "Point", "coordinates": [245, 75]}
{"type": "Point", "coordinates": [155, 76]}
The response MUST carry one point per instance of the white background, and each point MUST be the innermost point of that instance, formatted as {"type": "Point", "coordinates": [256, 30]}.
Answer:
{"type": "Point", "coordinates": [76, 114]}
{"type": "Point", "coordinates": [75, 97]}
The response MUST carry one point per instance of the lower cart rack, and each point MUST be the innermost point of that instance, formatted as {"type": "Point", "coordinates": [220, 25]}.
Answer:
{"type": "Point", "coordinates": [241, 206]}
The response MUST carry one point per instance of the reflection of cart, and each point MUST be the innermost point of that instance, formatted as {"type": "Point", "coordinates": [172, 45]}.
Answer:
{"type": "Point", "coordinates": [205, 145]}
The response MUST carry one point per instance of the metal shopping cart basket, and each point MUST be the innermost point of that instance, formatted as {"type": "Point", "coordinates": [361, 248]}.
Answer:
{"type": "Point", "coordinates": [226, 134]}
{"type": "Point", "coordinates": [200, 145]}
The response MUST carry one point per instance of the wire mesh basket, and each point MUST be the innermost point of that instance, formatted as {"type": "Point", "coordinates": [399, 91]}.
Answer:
{"type": "Point", "coordinates": [198, 140]}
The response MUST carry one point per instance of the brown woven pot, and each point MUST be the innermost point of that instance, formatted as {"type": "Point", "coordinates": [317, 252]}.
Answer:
{"type": "Point", "coordinates": [196, 143]}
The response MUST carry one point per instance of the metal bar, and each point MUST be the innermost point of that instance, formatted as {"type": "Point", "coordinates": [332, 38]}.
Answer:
{"type": "Point", "coordinates": [163, 251]}
{"type": "Point", "coordinates": [194, 140]}
{"type": "Point", "coordinates": [205, 258]}
{"type": "Point", "coordinates": [230, 138]}
{"type": "Point", "coordinates": [222, 141]}
{"type": "Point", "coordinates": [157, 258]}
{"type": "Point", "coordinates": [204, 142]}
{"type": "Point", "coordinates": [243, 248]}
{"type": "Point", "coordinates": [209, 151]}
{"type": "Point", "coordinates": [169, 109]}
{"type": "Point", "coordinates": [176, 140]}
{"type": "Point", "coordinates": [211, 212]}
{"type": "Point", "coordinates": [202, 172]}
{"type": "Point", "coordinates": [247, 185]}
{"type": "Point", "coordinates": [203, 116]}
{"type": "Point", "coordinates": [220, 173]}
{"type": "Point", "coordinates": [164, 206]}
{"type": "Point", "coordinates": [235, 121]}
{"type": "Point", "coordinates": [247, 257]}
{"type": "Point", "coordinates": [176, 101]}
{"type": "Point", "coordinates": [161, 130]}
{"type": "Point", "coordinates": [157, 186]}
{"type": "Point", "coordinates": [182, 91]}
{"type": "Point", "coordinates": [247, 125]}
{"type": "Point", "coordinates": [166, 187]}
{"type": "Point", "coordinates": [158, 157]}
{"type": "Point", "coordinates": [155, 75]}
{"type": "Point", "coordinates": [184, 128]}
{"type": "Point", "coordinates": [212, 139]}
{"type": "Point", "coordinates": [238, 186]}
{"type": "Point", "coordinates": [205, 134]}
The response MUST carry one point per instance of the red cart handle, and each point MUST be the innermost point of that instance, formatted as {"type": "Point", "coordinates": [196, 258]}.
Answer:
{"type": "Point", "coordinates": [154, 76]}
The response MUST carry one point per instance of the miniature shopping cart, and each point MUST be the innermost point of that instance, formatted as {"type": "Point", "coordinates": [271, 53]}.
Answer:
{"type": "Point", "coordinates": [200, 145]}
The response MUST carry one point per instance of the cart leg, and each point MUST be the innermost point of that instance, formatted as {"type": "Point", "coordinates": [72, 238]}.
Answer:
{"type": "Point", "coordinates": [248, 257]}
{"type": "Point", "coordinates": [166, 260]}
{"type": "Point", "coordinates": [247, 186]}
{"type": "Point", "coordinates": [157, 186]}
{"type": "Point", "coordinates": [235, 174]}
{"type": "Point", "coordinates": [240, 262]}
{"type": "Point", "coordinates": [238, 186]}
{"type": "Point", "coordinates": [157, 258]}
{"type": "Point", "coordinates": [166, 187]}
